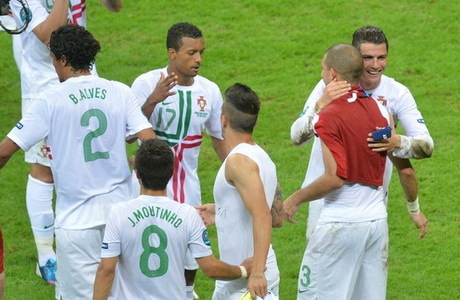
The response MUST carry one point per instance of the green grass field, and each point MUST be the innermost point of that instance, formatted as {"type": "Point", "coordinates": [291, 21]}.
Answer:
{"type": "Point", "coordinates": [276, 48]}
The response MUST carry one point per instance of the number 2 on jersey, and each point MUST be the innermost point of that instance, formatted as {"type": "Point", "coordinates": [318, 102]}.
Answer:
{"type": "Point", "coordinates": [87, 149]}
{"type": "Point", "coordinates": [151, 250]}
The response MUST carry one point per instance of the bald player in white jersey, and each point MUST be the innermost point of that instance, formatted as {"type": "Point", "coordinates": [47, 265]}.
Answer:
{"type": "Point", "coordinates": [147, 238]}
{"type": "Point", "coordinates": [347, 253]}
{"type": "Point", "coordinates": [417, 143]}
{"type": "Point", "coordinates": [85, 121]}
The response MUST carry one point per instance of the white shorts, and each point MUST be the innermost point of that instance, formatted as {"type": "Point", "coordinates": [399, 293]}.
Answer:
{"type": "Point", "coordinates": [38, 154]}
{"type": "Point", "coordinates": [220, 294]}
{"type": "Point", "coordinates": [314, 211]}
{"type": "Point", "coordinates": [345, 261]}
{"type": "Point", "coordinates": [78, 254]}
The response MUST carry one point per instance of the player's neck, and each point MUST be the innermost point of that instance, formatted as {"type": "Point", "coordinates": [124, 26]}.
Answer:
{"type": "Point", "coordinates": [233, 139]}
{"type": "Point", "coordinates": [155, 193]}
{"type": "Point", "coordinates": [79, 73]}
{"type": "Point", "coordinates": [369, 85]}
{"type": "Point", "coordinates": [181, 79]}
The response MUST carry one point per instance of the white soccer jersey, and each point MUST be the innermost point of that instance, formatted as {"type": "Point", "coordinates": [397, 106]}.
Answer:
{"type": "Point", "coordinates": [90, 169]}
{"type": "Point", "coordinates": [37, 71]}
{"type": "Point", "coordinates": [234, 222]}
{"type": "Point", "coordinates": [180, 120]}
{"type": "Point", "coordinates": [151, 236]}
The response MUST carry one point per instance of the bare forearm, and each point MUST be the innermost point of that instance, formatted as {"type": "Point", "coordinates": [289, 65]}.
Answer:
{"type": "Point", "coordinates": [56, 18]}
{"type": "Point", "coordinates": [220, 148]}
{"type": "Point", "coordinates": [262, 231]}
{"type": "Point", "coordinates": [407, 177]}
{"type": "Point", "coordinates": [102, 285]}
{"type": "Point", "coordinates": [217, 269]}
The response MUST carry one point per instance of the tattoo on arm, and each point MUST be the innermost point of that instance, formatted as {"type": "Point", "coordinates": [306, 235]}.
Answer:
{"type": "Point", "coordinates": [277, 208]}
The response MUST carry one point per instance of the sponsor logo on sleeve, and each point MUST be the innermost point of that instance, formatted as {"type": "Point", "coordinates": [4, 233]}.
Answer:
{"type": "Point", "coordinates": [205, 237]}
{"type": "Point", "coordinates": [105, 246]}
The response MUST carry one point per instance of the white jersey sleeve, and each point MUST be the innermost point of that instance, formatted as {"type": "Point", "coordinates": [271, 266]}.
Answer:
{"type": "Point", "coordinates": [136, 121]}
{"type": "Point", "coordinates": [112, 235]}
{"type": "Point", "coordinates": [417, 142]}
{"type": "Point", "coordinates": [302, 128]}
{"type": "Point", "coordinates": [37, 120]}
{"type": "Point", "coordinates": [213, 124]}
{"type": "Point", "coordinates": [38, 13]}
{"type": "Point", "coordinates": [144, 85]}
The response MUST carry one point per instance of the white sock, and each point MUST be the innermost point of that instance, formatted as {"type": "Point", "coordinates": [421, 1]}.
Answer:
{"type": "Point", "coordinates": [39, 200]}
{"type": "Point", "coordinates": [189, 289]}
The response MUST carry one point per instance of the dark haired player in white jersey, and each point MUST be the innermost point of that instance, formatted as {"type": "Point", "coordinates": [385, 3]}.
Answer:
{"type": "Point", "coordinates": [244, 195]}
{"type": "Point", "coordinates": [146, 239]}
{"type": "Point", "coordinates": [37, 75]}
{"type": "Point", "coordinates": [417, 143]}
{"type": "Point", "coordinates": [181, 105]}
{"type": "Point", "coordinates": [347, 253]}
{"type": "Point", "coordinates": [84, 120]}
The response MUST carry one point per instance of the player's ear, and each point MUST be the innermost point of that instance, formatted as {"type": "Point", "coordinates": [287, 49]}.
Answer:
{"type": "Point", "coordinates": [223, 120]}
{"type": "Point", "coordinates": [171, 53]}
{"type": "Point", "coordinates": [138, 176]}
{"type": "Point", "coordinates": [333, 74]}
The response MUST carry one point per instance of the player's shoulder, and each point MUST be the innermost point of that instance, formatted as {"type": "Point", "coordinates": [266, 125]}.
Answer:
{"type": "Point", "coordinates": [201, 80]}
{"type": "Point", "coordinates": [391, 84]}
{"type": "Point", "coordinates": [150, 75]}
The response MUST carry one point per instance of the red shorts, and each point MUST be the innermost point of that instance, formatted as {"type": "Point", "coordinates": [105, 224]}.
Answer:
{"type": "Point", "coordinates": [1, 252]}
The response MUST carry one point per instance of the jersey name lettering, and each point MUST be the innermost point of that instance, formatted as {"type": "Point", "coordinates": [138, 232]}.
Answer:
{"type": "Point", "coordinates": [88, 94]}
{"type": "Point", "coordinates": [156, 212]}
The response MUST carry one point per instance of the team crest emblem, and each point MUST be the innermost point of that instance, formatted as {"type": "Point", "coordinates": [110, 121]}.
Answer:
{"type": "Point", "coordinates": [201, 102]}
{"type": "Point", "coordinates": [382, 100]}
{"type": "Point", "coordinates": [46, 152]}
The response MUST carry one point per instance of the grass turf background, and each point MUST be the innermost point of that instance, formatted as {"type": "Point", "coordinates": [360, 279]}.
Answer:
{"type": "Point", "coordinates": [276, 48]}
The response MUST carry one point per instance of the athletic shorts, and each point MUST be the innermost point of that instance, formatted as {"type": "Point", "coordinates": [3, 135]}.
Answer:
{"type": "Point", "coordinates": [2, 268]}
{"type": "Point", "coordinates": [220, 294]}
{"type": "Point", "coordinates": [78, 254]}
{"type": "Point", "coordinates": [38, 154]}
{"type": "Point", "coordinates": [345, 261]}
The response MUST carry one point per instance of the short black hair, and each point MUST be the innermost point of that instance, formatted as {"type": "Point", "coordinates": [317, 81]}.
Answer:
{"type": "Point", "coordinates": [76, 45]}
{"type": "Point", "coordinates": [154, 163]}
{"type": "Point", "coordinates": [180, 30]}
{"type": "Point", "coordinates": [369, 34]}
{"type": "Point", "coordinates": [241, 107]}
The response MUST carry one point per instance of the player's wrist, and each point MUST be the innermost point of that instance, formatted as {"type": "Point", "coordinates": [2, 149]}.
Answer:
{"type": "Point", "coordinates": [244, 272]}
{"type": "Point", "coordinates": [413, 207]}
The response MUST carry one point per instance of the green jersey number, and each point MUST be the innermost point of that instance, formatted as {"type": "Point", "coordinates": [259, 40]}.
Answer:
{"type": "Point", "coordinates": [305, 278]}
{"type": "Point", "coordinates": [150, 250]}
{"type": "Point", "coordinates": [87, 149]}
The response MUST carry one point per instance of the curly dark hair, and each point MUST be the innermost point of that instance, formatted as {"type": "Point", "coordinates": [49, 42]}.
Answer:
{"type": "Point", "coordinates": [154, 163]}
{"type": "Point", "coordinates": [76, 45]}
{"type": "Point", "coordinates": [180, 30]}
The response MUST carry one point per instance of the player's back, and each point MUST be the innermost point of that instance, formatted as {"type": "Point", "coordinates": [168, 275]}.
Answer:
{"type": "Point", "coordinates": [154, 234]}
